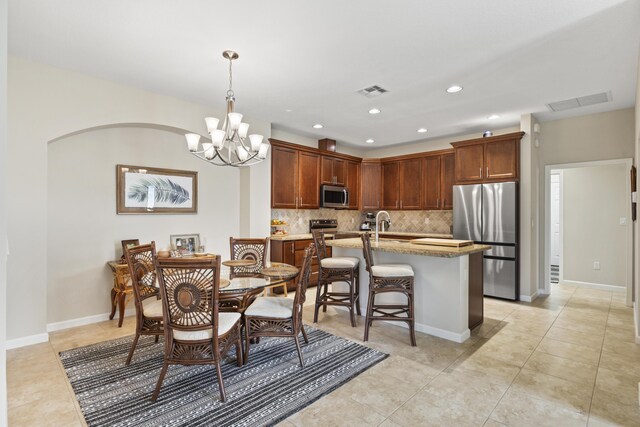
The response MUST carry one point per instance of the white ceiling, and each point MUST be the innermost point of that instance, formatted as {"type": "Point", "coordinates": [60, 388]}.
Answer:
{"type": "Point", "coordinates": [310, 57]}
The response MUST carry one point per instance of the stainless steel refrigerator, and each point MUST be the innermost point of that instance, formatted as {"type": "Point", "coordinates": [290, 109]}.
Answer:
{"type": "Point", "coordinates": [488, 214]}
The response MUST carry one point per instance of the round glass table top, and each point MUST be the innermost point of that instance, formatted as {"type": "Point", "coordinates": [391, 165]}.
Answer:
{"type": "Point", "coordinates": [273, 273]}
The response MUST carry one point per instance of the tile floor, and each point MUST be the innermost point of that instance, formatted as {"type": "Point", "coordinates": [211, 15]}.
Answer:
{"type": "Point", "coordinates": [567, 359]}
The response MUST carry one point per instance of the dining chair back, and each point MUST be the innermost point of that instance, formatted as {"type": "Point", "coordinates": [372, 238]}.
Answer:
{"type": "Point", "coordinates": [280, 316]}
{"type": "Point", "coordinates": [196, 333]}
{"type": "Point", "coordinates": [142, 270]}
{"type": "Point", "coordinates": [248, 249]}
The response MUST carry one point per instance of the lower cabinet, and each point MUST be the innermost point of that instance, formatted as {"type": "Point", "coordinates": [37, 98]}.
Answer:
{"type": "Point", "coordinates": [292, 252]}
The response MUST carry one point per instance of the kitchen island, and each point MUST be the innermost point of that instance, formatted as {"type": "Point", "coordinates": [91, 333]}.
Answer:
{"type": "Point", "coordinates": [448, 282]}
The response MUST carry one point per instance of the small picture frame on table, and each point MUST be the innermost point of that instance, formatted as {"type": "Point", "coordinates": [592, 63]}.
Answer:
{"type": "Point", "coordinates": [185, 244]}
{"type": "Point", "coordinates": [128, 244]}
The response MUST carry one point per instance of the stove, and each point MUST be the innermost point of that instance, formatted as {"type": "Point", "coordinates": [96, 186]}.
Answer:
{"type": "Point", "coordinates": [326, 225]}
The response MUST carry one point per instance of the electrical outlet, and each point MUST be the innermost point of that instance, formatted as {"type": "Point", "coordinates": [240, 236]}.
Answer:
{"type": "Point", "coordinates": [596, 265]}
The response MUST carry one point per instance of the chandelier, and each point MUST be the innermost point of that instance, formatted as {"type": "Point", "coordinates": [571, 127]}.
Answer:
{"type": "Point", "coordinates": [229, 145]}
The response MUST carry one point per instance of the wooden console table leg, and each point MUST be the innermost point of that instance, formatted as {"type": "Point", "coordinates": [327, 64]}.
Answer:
{"type": "Point", "coordinates": [121, 301]}
{"type": "Point", "coordinates": [113, 304]}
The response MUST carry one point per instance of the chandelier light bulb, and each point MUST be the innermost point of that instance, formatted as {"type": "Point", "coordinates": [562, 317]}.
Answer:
{"type": "Point", "coordinates": [217, 138]}
{"type": "Point", "coordinates": [209, 152]}
{"type": "Point", "coordinates": [241, 153]}
{"type": "Point", "coordinates": [212, 124]}
{"type": "Point", "coordinates": [192, 141]}
{"type": "Point", "coordinates": [243, 129]}
{"type": "Point", "coordinates": [256, 141]}
{"type": "Point", "coordinates": [234, 120]}
{"type": "Point", "coordinates": [264, 149]}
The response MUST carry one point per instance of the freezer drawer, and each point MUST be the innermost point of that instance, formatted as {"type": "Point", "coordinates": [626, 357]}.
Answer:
{"type": "Point", "coordinates": [501, 251]}
{"type": "Point", "coordinates": [500, 278]}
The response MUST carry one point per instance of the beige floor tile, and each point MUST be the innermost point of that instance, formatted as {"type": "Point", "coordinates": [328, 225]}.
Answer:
{"type": "Point", "coordinates": [579, 353]}
{"type": "Point", "coordinates": [334, 409]}
{"type": "Point", "coordinates": [613, 385]}
{"type": "Point", "coordinates": [33, 390]}
{"type": "Point", "coordinates": [622, 335]}
{"type": "Point", "coordinates": [554, 389]}
{"type": "Point", "coordinates": [613, 345]}
{"type": "Point", "coordinates": [607, 412]}
{"type": "Point", "coordinates": [575, 337]}
{"type": "Point", "coordinates": [402, 369]}
{"type": "Point", "coordinates": [627, 365]}
{"type": "Point", "coordinates": [423, 411]}
{"type": "Point", "coordinates": [523, 410]}
{"type": "Point", "coordinates": [513, 353]}
{"type": "Point", "coordinates": [596, 329]}
{"type": "Point", "coordinates": [486, 364]}
{"type": "Point", "coordinates": [474, 390]}
{"type": "Point", "coordinates": [388, 423]}
{"type": "Point", "coordinates": [53, 411]}
{"type": "Point", "coordinates": [493, 423]}
{"type": "Point", "coordinates": [560, 367]}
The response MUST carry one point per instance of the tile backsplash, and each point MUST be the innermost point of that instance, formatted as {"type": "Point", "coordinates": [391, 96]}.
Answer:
{"type": "Point", "coordinates": [348, 220]}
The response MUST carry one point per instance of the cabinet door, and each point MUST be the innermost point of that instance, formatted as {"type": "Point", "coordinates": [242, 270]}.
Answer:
{"type": "Point", "coordinates": [501, 160]}
{"type": "Point", "coordinates": [431, 183]}
{"type": "Point", "coordinates": [308, 180]}
{"type": "Point", "coordinates": [410, 184]}
{"type": "Point", "coordinates": [284, 178]}
{"type": "Point", "coordinates": [448, 169]}
{"type": "Point", "coordinates": [370, 186]}
{"type": "Point", "coordinates": [326, 167]}
{"type": "Point", "coordinates": [469, 163]}
{"type": "Point", "coordinates": [340, 171]}
{"type": "Point", "coordinates": [390, 185]}
{"type": "Point", "coordinates": [353, 184]}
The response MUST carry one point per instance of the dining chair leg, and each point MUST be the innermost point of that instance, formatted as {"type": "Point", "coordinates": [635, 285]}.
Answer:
{"type": "Point", "coordinates": [412, 323]}
{"type": "Point", "coordinates": [318, 301]}
{"type": "Point", "coordinates": [133, 347]}
{"type": "Point", "coordinates": [352, 299]}
{"type": "Point", "coordinates": [163, 372]}
{"type": "Point", "coordinates": [357, 285]}
{"type": "Point", "coordinates": [295, 337]}
{"type": "Point", "coordinates": [304, 334]}
{"type": "Point", "coordinates": [326, 291]}
{"type": "Point", "coordinates": [223, 396]}
{"type": "Point", "coordinates": [369, 315]}
{"type": "Point", "coordinates": [157, 338]}
{"type": "Point", "coordinates": [246, 341]}
{"type": "Point", "coordinates": [239, 356]}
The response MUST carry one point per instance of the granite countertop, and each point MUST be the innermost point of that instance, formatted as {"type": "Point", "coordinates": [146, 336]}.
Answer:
{"type": "Point", "coordinates": [405, 247]}
{"type": "Point", "coordinates": [382, 234]}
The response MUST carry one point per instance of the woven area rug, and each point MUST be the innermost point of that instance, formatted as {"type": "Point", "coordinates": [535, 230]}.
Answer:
{"type": "Point", "coordinates": [268, 389]}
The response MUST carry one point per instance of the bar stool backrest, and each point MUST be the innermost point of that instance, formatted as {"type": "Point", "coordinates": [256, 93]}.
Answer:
{"type": "Point", "coordinates": [321, 245]}
{"type": "Point", "coordinates": [366, 251]}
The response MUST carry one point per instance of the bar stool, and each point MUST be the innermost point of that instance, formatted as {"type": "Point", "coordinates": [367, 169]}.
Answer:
{"type": "Point", "coordinates": [332, 270]}
{"type": "Point", "coordinates": [385, 278]}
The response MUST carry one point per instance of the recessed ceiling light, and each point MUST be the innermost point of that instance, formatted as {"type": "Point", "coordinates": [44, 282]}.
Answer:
{"type": "Point", "coordinates": [422, 130]}
{"type": "Point", "coordinates": [318, 126]}
{"type": "Point", "coordinates": [493, 117]}
{"type": "Point", "coordinates": [369, 141]}
{"type": "Point", "coordinates": [374, 111]}
{"type": "Point", "coordinates": [288, 111]}
{"type": "Point", "coordinates": [454, 89]}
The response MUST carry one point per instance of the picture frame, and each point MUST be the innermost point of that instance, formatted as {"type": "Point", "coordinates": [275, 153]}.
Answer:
{"type": "Point", "coordinates": [149, 190]}
{"type": "Point", "coordinates": [185, 244]}
{"type": "Point", "coordinates": [128, 244]}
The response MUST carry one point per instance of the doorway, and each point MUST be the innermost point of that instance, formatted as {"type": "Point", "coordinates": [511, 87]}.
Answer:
{"type": "Point", "coordinates": [588, 231]}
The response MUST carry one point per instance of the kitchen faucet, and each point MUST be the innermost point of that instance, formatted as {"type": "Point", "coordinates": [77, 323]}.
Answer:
{"type": "Point", "coordinates": [388, 221]}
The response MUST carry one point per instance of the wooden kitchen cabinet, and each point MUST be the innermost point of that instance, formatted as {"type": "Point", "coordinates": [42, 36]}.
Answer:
{"type": "Point", "coordinates": [438, 173]}
{"type": "Point", "coordinates": [292, 252]}
{"type": "Point", "coordinates": [334, 171]}
{"type": "Point", "coordinates": [353, 184]}
{"type": "Point", "coordinates": [295, 177]}
{"type": "Point", "coordinates": [491, 159]}
{"type": "Point", "coordinates": [401, 184]}
{"type": "Point", "coordinates": [370, 179]}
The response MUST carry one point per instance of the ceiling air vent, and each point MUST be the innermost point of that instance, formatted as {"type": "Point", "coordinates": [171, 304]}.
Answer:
{"type": "Point", "coordinates": [372, 91]}
{"type": "Point", "coordinates": [581, 101]}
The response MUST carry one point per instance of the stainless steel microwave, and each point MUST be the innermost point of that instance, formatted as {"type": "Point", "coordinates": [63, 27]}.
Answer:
{"type": "Point", "coordinates": [332, 196]}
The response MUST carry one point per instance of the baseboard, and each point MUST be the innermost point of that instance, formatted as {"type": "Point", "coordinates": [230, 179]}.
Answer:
{"type": "Point", "coordinates": [25, 341]}
{"type": "Point", "coordinates": [600, 286]}
{"type": "Point", "coordinates": [82, 321]}
{"type": "Point", "coordinates": [436, 332]}
{"type": "Point", "coordinates": [529, 298]}
{"type": "Point", "coordinates": [543, 292]}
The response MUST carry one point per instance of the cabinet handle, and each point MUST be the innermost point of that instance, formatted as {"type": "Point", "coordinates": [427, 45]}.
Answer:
{"type": "Point", "coordinates": [481, 173]}
{"type": "Point", "coordinates": [487, 175]}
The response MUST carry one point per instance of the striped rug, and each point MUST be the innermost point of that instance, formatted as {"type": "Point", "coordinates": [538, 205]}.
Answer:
{"type": "Point", "coordinates": [268, 389]}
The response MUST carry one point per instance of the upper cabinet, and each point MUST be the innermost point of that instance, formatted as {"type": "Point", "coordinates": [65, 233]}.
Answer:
{"type": "Point", "coordinates": [295, 177]}
{"type": "Point", "coordinates": [334, 171]}
{"type": "Point", "coordinates": [490, 159]}
{"type": "Point", "coordinates": [353, 184]}
{"type": "Point", "coordinates": [370, 184]}
{"type": "Point", "coordinates": [438, 175]}
{"type": "Point", "coordinates": [401, 184]}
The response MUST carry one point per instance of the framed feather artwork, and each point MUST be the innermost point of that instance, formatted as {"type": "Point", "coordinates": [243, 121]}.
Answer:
{"type": "Point", "coordinates": [147, 190]}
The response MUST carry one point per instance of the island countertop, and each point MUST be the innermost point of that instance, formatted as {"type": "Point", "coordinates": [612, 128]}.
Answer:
{"type": "Point", "coordinates": [287, 237]}
{"type": "Point", "coordinates": [405, 247]}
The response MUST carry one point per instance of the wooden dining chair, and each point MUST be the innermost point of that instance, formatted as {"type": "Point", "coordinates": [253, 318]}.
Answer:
{"type": "Point", "coordinates": [250, 249]}
{"type": "Point", "coordinates": [195, 332]}
{"type": "Point", "coordinates": [280, 316]}
{"type": "Point", "coordinates": [142, 270]}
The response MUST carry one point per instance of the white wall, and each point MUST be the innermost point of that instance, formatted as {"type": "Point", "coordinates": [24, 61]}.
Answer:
{"type": "Point", "coordinates": [603, 136]}
{"type": "Point", "coordinates": [83, 229]}
{"type": "Point", "coordinates": [636, 228]}
{"type": "Point", "coordinates": [44, 104]}
{"type": "Point", "coordinates": [529, 220]}
{"type": "Point", "coordinates": [594, 200]}
{"type": "Point", "coordinates": [3, 223]}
